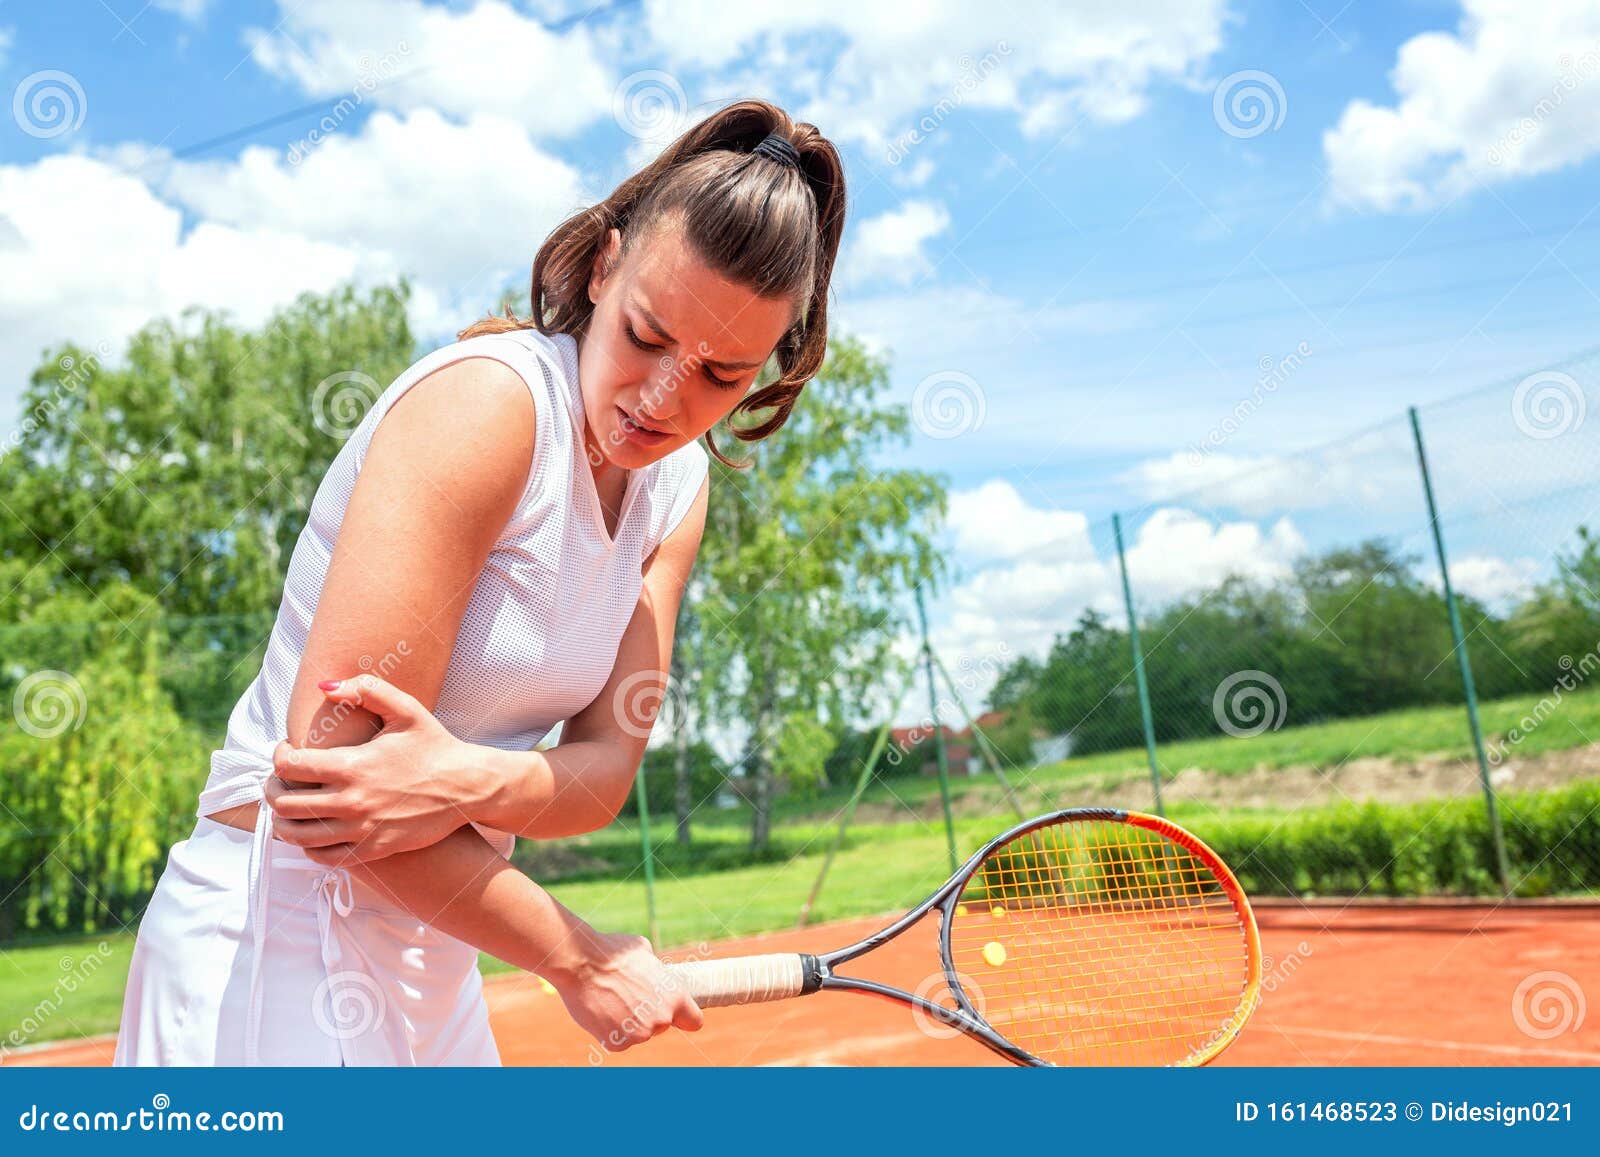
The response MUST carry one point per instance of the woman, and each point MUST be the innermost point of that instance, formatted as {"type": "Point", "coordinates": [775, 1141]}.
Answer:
{"type": "Point", "coordinates": [504, 540]}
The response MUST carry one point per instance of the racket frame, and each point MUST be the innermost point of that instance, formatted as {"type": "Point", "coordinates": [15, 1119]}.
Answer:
{"type": "Point", "coordinates": [820, 974]}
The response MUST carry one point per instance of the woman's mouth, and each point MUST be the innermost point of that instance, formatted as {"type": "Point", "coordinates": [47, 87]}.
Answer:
{"type": "Point", "coordinates": [639, 432]}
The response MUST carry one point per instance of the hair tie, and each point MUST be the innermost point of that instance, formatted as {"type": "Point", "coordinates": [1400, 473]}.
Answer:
{"type": "Point", "coordinates": [778, 149]}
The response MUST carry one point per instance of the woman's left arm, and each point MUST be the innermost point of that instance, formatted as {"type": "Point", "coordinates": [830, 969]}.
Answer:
{"type": "Point", "coordinates": [579, 785]}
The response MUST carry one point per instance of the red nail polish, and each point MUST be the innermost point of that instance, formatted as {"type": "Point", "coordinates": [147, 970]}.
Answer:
{"type": "Point", "coordinates": [328, 684]}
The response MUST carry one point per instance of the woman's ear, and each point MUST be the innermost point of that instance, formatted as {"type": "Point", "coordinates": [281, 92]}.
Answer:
{"type": "Point", "coordinates": [605, 260]}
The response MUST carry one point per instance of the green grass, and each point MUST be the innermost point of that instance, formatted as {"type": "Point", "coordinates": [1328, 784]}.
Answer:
{"type": "Point", "coordinates": [62, 989]}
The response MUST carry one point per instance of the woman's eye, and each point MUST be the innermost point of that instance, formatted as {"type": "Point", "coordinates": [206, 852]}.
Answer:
{"type": "Point", "coordinates": [639, 341]}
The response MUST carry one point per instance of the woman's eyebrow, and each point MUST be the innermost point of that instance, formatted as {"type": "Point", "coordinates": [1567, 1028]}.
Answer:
{"type": "Point", "coordinates": [661, 331]}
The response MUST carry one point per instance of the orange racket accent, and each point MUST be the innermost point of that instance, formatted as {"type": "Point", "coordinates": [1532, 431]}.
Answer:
{"type": "Point", "coordinates": [1107, 942]}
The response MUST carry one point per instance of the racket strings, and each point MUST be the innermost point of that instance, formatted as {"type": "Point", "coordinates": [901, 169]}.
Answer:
{"type": "Point", "coordinates": [1101, 942]}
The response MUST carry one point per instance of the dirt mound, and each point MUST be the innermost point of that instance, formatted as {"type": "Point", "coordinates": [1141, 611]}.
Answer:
{"type": "Point", "coordinates": [1377, 779]}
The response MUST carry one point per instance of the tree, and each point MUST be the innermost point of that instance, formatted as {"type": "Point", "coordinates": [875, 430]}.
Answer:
{"type": "Point", "coordinates": [707, 776]}
{"type": "Point", "coordinates": [98, 772]}
{"type": "Point", "coordinates": [1367, 605]}
{"type": "Point", "coordinates": [800, 753]}
{"type": "Point", "coordinates": [1561, 618]}
{"type": "Point", "coordinates": [808, 556]}
{"type": "Point", "coordinates": [187, 471]}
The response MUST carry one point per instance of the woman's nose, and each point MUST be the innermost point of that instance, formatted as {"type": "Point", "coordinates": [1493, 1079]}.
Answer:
{"type": "Point", "coordinates": [661, 398]}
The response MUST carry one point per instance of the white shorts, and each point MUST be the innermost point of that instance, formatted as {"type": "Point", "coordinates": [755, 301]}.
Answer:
{"type": "Point", "coordinates": [345, 978]}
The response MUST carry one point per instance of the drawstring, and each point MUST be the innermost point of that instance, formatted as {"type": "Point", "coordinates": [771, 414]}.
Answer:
{"type": "Point", "coordinates": [334, 893]}
{"type": "Point", "coordinates": [257, 892]}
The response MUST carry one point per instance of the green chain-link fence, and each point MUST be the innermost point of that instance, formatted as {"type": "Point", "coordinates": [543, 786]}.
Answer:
{"type": "Point", "coordinates": [1309, 709]}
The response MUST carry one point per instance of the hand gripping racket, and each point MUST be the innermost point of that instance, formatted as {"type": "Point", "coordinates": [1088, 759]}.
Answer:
{"type": "Point", "coordinates": [1082, 937]}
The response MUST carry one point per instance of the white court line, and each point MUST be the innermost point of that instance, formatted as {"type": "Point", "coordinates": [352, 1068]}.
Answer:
{"type": "Point", "coordinates": [1424, 1042]}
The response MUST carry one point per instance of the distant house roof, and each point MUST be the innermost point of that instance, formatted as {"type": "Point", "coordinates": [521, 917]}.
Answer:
{"type": "Point", "coordinates": [908, 737]}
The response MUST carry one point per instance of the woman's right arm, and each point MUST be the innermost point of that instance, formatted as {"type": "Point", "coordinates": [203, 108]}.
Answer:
{"type": "Point", "coordinates": [443, 473]}
{"type": "Point", "coordinates": [614, 986]}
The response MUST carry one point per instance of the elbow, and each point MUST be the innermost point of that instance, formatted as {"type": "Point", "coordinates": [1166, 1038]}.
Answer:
{"type": "Point", "coordinates": [610, 801]}
{"type": "Point", "coordinates": [605, 792]}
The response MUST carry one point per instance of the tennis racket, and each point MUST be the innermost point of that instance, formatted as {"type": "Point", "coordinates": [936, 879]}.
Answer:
{"type": "Point", "coordinates": [1083, 937]}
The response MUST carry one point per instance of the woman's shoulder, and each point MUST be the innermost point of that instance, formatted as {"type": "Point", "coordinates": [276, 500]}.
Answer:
{"type": "Point", "coordinates": [556, 352]}
{"type": "Point", "coordinates": [547, 363]}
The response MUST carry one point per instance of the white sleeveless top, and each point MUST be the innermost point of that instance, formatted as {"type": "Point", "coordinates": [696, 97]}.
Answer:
{"type": "Point", "coordinates": [541, 632]}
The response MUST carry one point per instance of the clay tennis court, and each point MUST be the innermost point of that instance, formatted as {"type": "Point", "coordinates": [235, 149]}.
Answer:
{"type": "Point", "coordinates": [1370, 984]}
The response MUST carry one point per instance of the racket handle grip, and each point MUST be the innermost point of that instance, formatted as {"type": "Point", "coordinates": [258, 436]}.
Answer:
{"type": "Point", "coordinates": [746, 979]}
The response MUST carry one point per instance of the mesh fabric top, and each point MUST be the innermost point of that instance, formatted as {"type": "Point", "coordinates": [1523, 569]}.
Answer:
{"type": "Point", "coordinates": [540, 634]}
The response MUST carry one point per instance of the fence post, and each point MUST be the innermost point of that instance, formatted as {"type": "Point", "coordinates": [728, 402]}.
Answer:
{"type": "Point", "coordinates": [985, 744]}
{"type": "Point", "coordinates": [642, 794]}
{"type": "Point", "coordinates": [848, 815]}
{"type": "Point", "coordinates": [1460, 640]}
{"type": "Point", "coordinates": [1138, 667]}
{"type": "Point", "coordinates": [938, 732]}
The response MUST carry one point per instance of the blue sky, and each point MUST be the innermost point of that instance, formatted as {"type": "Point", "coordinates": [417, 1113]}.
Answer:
{"type": "Point", "coordinates": [1084, 264]}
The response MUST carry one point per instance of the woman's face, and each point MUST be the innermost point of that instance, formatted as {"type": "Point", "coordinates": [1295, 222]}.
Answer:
{"type": "Point", "coordinates": [671, 349]}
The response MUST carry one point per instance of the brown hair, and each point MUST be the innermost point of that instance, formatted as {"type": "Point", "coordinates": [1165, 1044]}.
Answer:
{"type": "Point", "coordinates": [757, 221]}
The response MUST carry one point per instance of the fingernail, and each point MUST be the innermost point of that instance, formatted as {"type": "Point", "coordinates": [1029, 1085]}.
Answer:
{"type": "Point", "coordinates": [329, 685]}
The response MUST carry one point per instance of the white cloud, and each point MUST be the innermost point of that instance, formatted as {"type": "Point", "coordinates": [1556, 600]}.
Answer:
{"type": "Point", "coordinates": [1035, 571]}
{"type": "Point", "coordinates": [993, 523]}
{"type": "Point", "coordinates": [872, 72]}
{"type": "Point", "coordinates": [1499, 583]}
{"type": "Point", "coordinates": [459, 223]}
{"type": "Point", "coordinates": [893, 246]}
{"type": "Point", "coordinates": [487, 60]}
{"type": "Point", "coordinates": [191, 10]}
{"type": "Point", "coordinates": [8, 37]}
{"type": "Point", "coordinates": [90, 252]}
{"type": "Point", "coordinates": [1176, 552]}
{"type": "Point", "coordinates": [93, 248]}
{"type": "Point", "coordinates": [1514, 92]}
{"type": "Point", "coordinates": [1255, 485]}
{"type": "Point", "coordinates": [1370, 473]}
